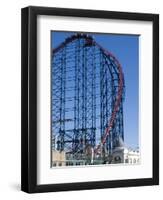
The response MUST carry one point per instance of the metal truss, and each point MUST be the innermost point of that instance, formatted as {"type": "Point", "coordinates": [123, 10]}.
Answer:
{"type": "Point", "coordinates": [87, 93]}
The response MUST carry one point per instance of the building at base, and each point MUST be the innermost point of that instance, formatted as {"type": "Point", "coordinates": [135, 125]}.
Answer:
{"type": "Point", "coordinates": [122, 154]}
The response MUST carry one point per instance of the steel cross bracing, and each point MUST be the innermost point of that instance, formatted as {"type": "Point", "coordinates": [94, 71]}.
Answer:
{"type": "Point", "coordinates": [87, 97]}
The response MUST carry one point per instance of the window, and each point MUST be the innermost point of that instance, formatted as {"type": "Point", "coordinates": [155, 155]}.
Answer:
{"type": "Point", "coordinates": [117, 159]}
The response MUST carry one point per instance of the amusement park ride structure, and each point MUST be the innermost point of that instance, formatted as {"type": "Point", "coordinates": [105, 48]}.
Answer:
{"type": "Point", "coordinates": [87, 94]}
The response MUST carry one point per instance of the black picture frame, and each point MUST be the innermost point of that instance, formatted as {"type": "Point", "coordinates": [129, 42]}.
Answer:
{"type": "Point", "coordinates": [29, 99]}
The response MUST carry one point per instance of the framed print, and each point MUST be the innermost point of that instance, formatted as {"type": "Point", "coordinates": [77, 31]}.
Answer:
{"type": "Point", "coordinates": [90, 99]}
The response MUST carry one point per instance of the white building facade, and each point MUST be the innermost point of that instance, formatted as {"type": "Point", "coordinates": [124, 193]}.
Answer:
{"type": "Point", "coordinates": [125, 155]}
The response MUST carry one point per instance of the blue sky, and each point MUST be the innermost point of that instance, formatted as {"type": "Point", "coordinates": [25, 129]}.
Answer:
{"type": "Point", "coordinates": [126, 49]}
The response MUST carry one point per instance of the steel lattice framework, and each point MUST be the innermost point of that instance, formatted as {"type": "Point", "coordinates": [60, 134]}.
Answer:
{"type": "Point", "coordinates": [87, 97]}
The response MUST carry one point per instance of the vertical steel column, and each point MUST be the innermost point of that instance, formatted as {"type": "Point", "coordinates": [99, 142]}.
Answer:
{"type": "Point", "coordinates": [102, 112]}
{"type": "Point", "coordinates": [93, 128]}
{"type": "Point", "coordinates": [62, 100]}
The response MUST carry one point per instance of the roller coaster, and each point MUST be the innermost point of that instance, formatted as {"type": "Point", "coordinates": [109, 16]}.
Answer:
{"type": "Point", "coordinates": [87, 94]}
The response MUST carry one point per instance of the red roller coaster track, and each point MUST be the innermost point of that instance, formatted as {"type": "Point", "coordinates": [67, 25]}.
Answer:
{"type": "Point", "coordinates": [90, 41]}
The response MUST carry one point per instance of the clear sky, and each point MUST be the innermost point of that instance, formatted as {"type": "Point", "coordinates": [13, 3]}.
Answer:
{"type": "Point", "coordinates": [126, 49]}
